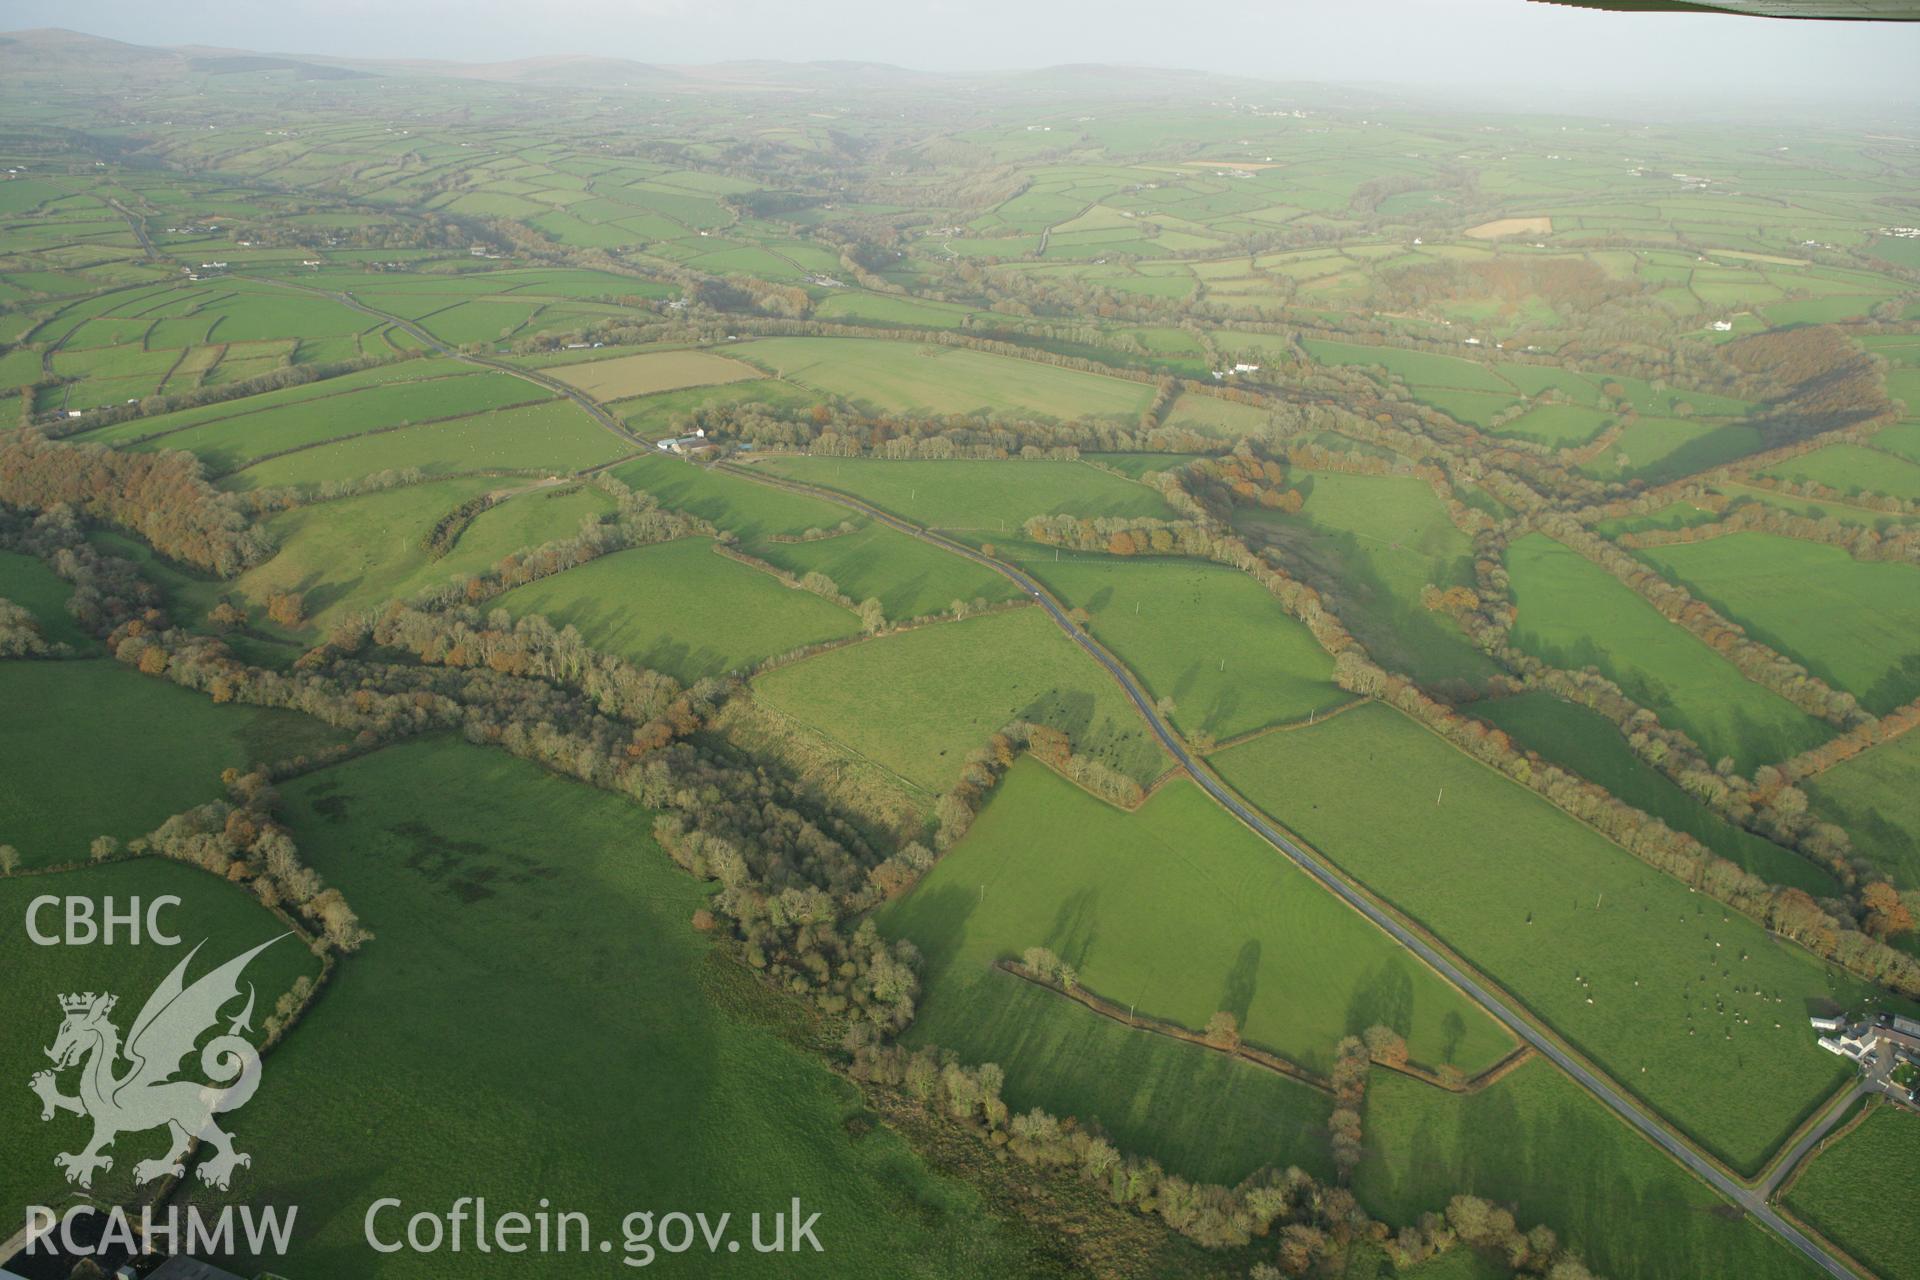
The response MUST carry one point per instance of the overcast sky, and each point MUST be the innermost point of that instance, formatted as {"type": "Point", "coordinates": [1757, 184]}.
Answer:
{"type": "Point", "coordinates": [1509, 44]}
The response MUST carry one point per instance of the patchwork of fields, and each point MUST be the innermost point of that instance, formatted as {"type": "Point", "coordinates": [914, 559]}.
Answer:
{"type": "Point", "coordinates": [402, 331]}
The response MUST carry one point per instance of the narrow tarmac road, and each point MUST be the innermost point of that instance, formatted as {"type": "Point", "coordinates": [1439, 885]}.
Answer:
{"type": "Point", "coordinates": [1752, 1200]}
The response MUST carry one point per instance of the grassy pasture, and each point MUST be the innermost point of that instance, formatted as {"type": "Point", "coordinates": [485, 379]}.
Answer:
{"type": "Point", "coordinates": [28, 582]}
{"type": "Point", "coordinates": [356, 554]}
{"type": "Point", "coordinates": [1656, 449]}
{"type": "Point", "coordinates": [1371, 543]}
{"type": "Point", "coordinates": [1876, 797]}
{"type": "Point", "coordinates": [1852, 468]}
{"type": "Point", "coordinates": [909, 578]}
{"type": "Point", "coordinates": [1537, 1143]}
{"type": "Point", "coordinates": [555, 437]}
{"type": "Point", "coordinates": [918, 702]}
{"type": "Point", "coordinates": [1204, 635]}
{"type": "Point", "coordinates": [1175, 907]}
{"type": "Point", "coordinates": [161, 424]}
{"type": "Point", "coordinates": [1217, 417]}
{"type": "Point", "coordinates": [1693, 1008]}
{"type": "Point", "coordinates": [903, 377]}
{"type": "Point", "coordinates": [223, 917]}
{"type": "Point", "coordinates": [230, 443]}
{"type": "Point", "coordinates": [1850, 622]}
{"type": "Point", "coordinates": [491, 884]}
{"type": "Point", "coordinates": [983, 500]}
{"type": "Point", "coordinates": [1587, 743]}
{"type": "Point", "coordinates": [1416, 368]}
{"type": "Point", "coordinates": [1559, 425]}
{"type": "Point", "coordinates": [748, 509]}
{"type": "Point", "coordinates": [679, 608]}
{"type": "Point", "coordinates": [150, 749]}
{"type": "Point", "coordinates": [653, 371]}
{"type": "Point", "coordinates": [1574, 614]}
{"type": "Point", "coordinates": [1859, 1192]}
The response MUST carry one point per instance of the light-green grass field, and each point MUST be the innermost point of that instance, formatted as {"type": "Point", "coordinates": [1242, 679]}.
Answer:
{"type": "Point", "coordinates": [908, 577]}
{"type": "Point", "coordinates": [1852, 468]}
{"type": "Point", "coordinates": [918, 702]}
{"type": "Point", "coordinates": [1204, 635]}
{"type": "Point", "coordinates": [1860, 1192]}
{"type": "Point", "coordinates": [556, 437]}
{"type": "Point", "coordinates": [903, 376]}
{"type": "Point", "coordinates": [357, 554]}
{"type": "Point", "coordinates": [1589, 744]}
{"type": "Point", "coordinates": [150, 749]}
{"type": "Point", "coordinates": [1876, 797]}
{"type": "Point", "coordinates": [1176, 908]}
{"type": "Point", "coordinates": [1535, 1142]}
{"type": "Point", "coordinates": [985, 501]}
{"type": "Point", "coordinates": [1371, 543]}
{"type": "Point", "coordinates": [680, 608]}
{"type": "Point", "coordinates": [1851, 622]}
{"type": "Point", "coordinates": [1692, 1007]}
{"type": "Point", "coordinates": [1574, 614]}
{"type": "Point", "coordinates": [231, 443]}
{"type": "Point", "coordinates": [30, 583]}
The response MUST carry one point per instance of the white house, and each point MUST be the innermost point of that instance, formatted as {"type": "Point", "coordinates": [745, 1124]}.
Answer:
{"type": "Point", "coordinates": [1723, 326]}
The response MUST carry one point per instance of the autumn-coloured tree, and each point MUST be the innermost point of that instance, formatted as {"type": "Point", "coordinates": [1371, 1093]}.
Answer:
{"type": "Point", "coordinates": [287, 609]}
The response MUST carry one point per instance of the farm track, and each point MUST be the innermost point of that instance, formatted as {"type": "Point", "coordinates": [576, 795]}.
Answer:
{"type": "Point", "coordinates": [1753, 1200]}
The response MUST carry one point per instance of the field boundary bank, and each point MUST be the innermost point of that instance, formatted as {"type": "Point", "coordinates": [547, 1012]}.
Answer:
{"type": "Point", "coordinates": [1266, 1059]}
{"type": "Point", "coordinates": [1313, 721]}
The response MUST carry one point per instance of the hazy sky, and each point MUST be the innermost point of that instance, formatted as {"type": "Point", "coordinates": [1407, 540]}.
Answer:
{"type": "Point", "coordinates": [1469, 43]}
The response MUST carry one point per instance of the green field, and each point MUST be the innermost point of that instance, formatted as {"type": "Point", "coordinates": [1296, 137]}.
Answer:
{"type": "Point", "coordinates": [1590, 745]}
{"type": "Point", "coordinates": [556, 437]}
{"type": "Point", "coordinates": [1851, 469]}
{"type": "Point", "coordinates": [30, 583]}
{"type": "Point", "coordinates": [224, 918]}
{"type": "Point", "coordinates": [734, 504]}
{"type": "Point", "coordinates": [1206, 636]}
{"type": "Point", "coordinates": [931, 379]}
{"type": "Point", "coordinates": [1850, 622]}
{"type": "Point", "coordinates": [1177, 909]}
{"type": "Point", "coordinates": [492, 885]}
{"type": "Point", "coordinates": [917, 703]}
{"type": "Point", "coordinates": [1876, 797]}
{"type": "Point", "coordinates": [1538, 1144]}
{"type": "Point", "coordinates": [1694, 1008]}
{"type": "Point", "coordinates": [151, 750]}
{"type": "Point", "coordinates": [1559, 425]}
{"type": "Point", "coordinates": [679, 608]}
{"type": "Point", "coordinates": [1657, 450]}
{"type": "Point", "coordinates": [1574, 614]}
{"type": "Point", "coordinates": [1859, 1192]}
{"type": "Point", "coordinates": [908, 577]}
{"type": "Point", "coordinates": [356, 554]}
{"type": "Point", "coordinates": [231, 443]}
{"type": "Point", "coordinates": [1370, 543]}
{"type": "Point", "coordinates": [985, 501]}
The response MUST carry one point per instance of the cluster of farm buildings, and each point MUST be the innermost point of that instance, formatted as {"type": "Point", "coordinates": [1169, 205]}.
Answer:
{"type": "Point", "coordinates": [1886, 1048]}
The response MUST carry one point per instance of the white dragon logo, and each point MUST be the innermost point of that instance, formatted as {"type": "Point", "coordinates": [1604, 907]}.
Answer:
{"type": "Point", "coordinates": [146, 1096]}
